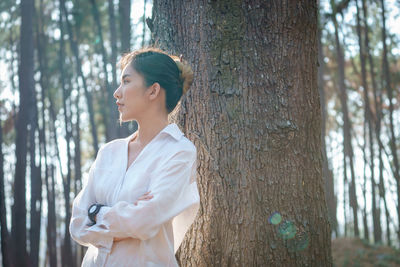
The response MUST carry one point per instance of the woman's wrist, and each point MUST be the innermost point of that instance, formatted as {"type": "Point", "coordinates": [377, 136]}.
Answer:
{"type": "Point", "coordinates": [93, 210]}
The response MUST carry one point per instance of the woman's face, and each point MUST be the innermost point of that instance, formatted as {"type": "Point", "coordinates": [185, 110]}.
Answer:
{"type": "Point", "coordinates": [131, 95]}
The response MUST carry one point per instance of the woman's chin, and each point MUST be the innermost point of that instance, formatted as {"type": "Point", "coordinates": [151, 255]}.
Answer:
{"type": "Point", "coordinates": [123, 118]}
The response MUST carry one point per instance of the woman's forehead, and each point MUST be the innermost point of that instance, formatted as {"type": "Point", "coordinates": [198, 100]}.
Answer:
{"type": "Point", "coordinates": [128, 71]}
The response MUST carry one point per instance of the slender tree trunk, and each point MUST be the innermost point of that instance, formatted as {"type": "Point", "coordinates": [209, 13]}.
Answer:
{"type": "Point", "coordinates": [36, 190]}
{"type": "Point", "coordinates": [6, 249]}
{"type": "Point", "coordinates": [124, 8]}
{"type": "Point", "coordinates": [52, 218]}
{"type": "Point", "coordinates": [88, 95]}
{"type": "Point", "coordinates": [67, 253]}
{"type": "Point", "coordinates": [78, 255]}
{"type": "Point", "coordinates": [345, 194]}
{"type": "Point", "coordinates": [8, 243]}
{"type": "Point", "coordinates": [389, 91]}
{"type": "Point", "coordinates": [331, 199]}
{"type": "Point", "coordinates": [368, 119]}
{"type": "Point", "coordinates": [44, 83]}
{"type": "Point", "coordinates": [348, 148]}
{"type": "Point", "coordinates": [122, 130]}
{"type": "Point", "coordinates": [377, 120]}
{"type": "Point", "coordinates": [26, 90]}
{"type": "Point", "coordinates": [255, 76]}
{"type": "Point", "coordinates": [111, 110]}
{"type": "Point", "coordinates": [36, 178]}
{"type": "Point", "coordinates": [364, 190]}
{"type": "Point", "coordinates": [144, 24]}
{"type": "Point", "coordinates": [125, 25]}
{"type": "Point", "coordinates": [113, 41]}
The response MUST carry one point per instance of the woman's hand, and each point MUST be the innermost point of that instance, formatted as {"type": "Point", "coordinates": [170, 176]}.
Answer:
{"type": "Point", "coordinates": [116, 239]}
{"type": "Point", "coordinates": [145, 196]}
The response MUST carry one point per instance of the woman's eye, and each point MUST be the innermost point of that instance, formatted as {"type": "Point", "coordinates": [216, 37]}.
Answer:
{"type": "Point", "coordinates": [125, 81]}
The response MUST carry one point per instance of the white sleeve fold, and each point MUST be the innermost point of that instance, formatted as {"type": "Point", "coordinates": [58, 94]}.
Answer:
{"type": "Point", "coordinates": [78, 227]}
{"type": "Point", "coordinates": [172, 192]}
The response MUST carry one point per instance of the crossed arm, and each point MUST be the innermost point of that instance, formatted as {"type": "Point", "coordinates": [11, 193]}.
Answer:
{"type": "Point", "coordinates": [145, 196]}
{"type": "Point", "coordinates": [141, 219]}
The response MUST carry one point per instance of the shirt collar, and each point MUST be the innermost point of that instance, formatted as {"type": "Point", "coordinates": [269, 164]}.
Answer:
{"type": "Point", "coordinates": [171, 129]}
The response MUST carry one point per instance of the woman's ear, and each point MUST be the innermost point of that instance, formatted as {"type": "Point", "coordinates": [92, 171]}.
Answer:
{"type": "Point", "coordinates": [155, 90]}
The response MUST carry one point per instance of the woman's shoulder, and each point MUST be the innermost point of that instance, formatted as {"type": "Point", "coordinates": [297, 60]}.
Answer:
{"type": "Point", "coordinates": [111, 146]}
{"type": "Point", "coordinates": [183, 148]}
{"type": "Point", "coordinates": [184, 144]}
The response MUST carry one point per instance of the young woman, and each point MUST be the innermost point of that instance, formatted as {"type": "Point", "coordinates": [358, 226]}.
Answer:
{"type": "Point", "coordinates": [141, 195]}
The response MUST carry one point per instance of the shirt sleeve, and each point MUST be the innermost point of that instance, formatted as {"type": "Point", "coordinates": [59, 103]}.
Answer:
{"type": "Point", "coordinates": [78, 227]}
{"type": "Point", "coordinates": [169, 186]}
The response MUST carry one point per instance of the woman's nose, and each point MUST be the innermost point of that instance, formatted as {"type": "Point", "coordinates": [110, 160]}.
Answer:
{"type": "Point", "coordinates": [116, 93]}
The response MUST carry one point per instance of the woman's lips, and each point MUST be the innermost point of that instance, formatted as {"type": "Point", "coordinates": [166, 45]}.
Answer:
{"type": "Point", "coordinates": [120, 106]}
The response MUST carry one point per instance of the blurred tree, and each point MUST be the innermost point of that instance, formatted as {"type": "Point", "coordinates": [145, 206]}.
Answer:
{"type": "Point", "coordinates": [24, 118]}
{"type": "Point", "coordinates": [348, 157]}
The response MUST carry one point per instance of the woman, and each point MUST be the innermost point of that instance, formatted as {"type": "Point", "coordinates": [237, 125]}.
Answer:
{"type": "Point", "coordinates": [141, 195]}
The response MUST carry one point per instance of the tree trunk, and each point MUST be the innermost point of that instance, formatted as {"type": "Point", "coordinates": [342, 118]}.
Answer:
{"type": "Point", "coordinates": [110, 106]}
{"type": "Point", "coordinates": [66, 251]}
{"type": "Point", "coordinates": [389, 91]}
{"type": "Point", "coordinates": [51, 217]}
{"type": "Point", "coordinates": [331, 199]}
{"type": "Point", "coordinates": [36, 190]}
{"type": "Point", "coordinates": [377, 120]}
{"type": "Point", "coordinates": [36, 174]}
{"type": "Point", "coordinates": [6, 249]}
{"type": "Point", "coordinates": [44, 84]}
{"type": "Point", "coordinates": [364, 189]}
{"type": "Point", "coordinates": [125, 25]}
{"type": "Point", "coordinates": [26, 90]}
{"type": "Point", "coordinates": [368, 119]}
{"type": "Point", "coordinates": [144, 24]}
{"type": "Point", "coordinates": [113, 41]}
{"type": "Point", "coordinates": [254, 115]}
{"type": "Point", "coordinates": [88, 95]}
{"type": "Point", "coordinates": [347, 144]}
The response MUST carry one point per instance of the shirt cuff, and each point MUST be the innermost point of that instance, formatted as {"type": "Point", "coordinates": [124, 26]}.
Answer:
{"type": "Point", "coordinates": [106, 242]}
{"type": "Point", "coordinates": [100, 214]}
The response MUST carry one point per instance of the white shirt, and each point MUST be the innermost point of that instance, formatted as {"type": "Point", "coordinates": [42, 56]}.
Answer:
{"type": "Point", "coordinates": [166, 166]}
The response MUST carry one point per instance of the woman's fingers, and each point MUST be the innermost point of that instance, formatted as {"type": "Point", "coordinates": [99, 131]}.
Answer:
{"type": "Point", "coordinates": [144, 197]}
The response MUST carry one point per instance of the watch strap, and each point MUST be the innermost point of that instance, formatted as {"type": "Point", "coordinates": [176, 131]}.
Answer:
{"type": "Point", "coordinates": [92, 215]}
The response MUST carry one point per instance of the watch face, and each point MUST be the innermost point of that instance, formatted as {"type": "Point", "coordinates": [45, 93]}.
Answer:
{"type": "Point", "coordinates": [92, 209]}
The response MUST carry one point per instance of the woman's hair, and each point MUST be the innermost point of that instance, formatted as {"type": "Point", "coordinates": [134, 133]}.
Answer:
{"type": "Point", "coordinates": [174, 75]}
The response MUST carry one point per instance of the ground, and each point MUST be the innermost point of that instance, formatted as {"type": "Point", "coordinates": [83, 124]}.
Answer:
{"type": "Point", "coordinates": [358, 252]}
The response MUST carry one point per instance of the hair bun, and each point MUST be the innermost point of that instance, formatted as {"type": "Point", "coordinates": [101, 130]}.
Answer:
{"type": "Point", "coordinates": [186, 73]}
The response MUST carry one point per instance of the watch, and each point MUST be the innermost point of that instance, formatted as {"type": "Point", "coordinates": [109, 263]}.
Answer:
{"type": "Point", "coordinates": [92, 211]}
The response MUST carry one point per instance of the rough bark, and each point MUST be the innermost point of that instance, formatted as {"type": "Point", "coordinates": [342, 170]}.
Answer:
{"type": "Point", "coordinates": [254, 115]}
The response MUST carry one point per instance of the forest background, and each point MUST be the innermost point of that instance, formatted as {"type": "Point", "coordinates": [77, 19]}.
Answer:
{"type": "Point", "coordinates": [66, 110]}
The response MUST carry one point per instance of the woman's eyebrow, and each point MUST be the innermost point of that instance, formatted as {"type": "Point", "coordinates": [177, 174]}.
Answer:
{"type": "Point", "coordinates": [125, 75]}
